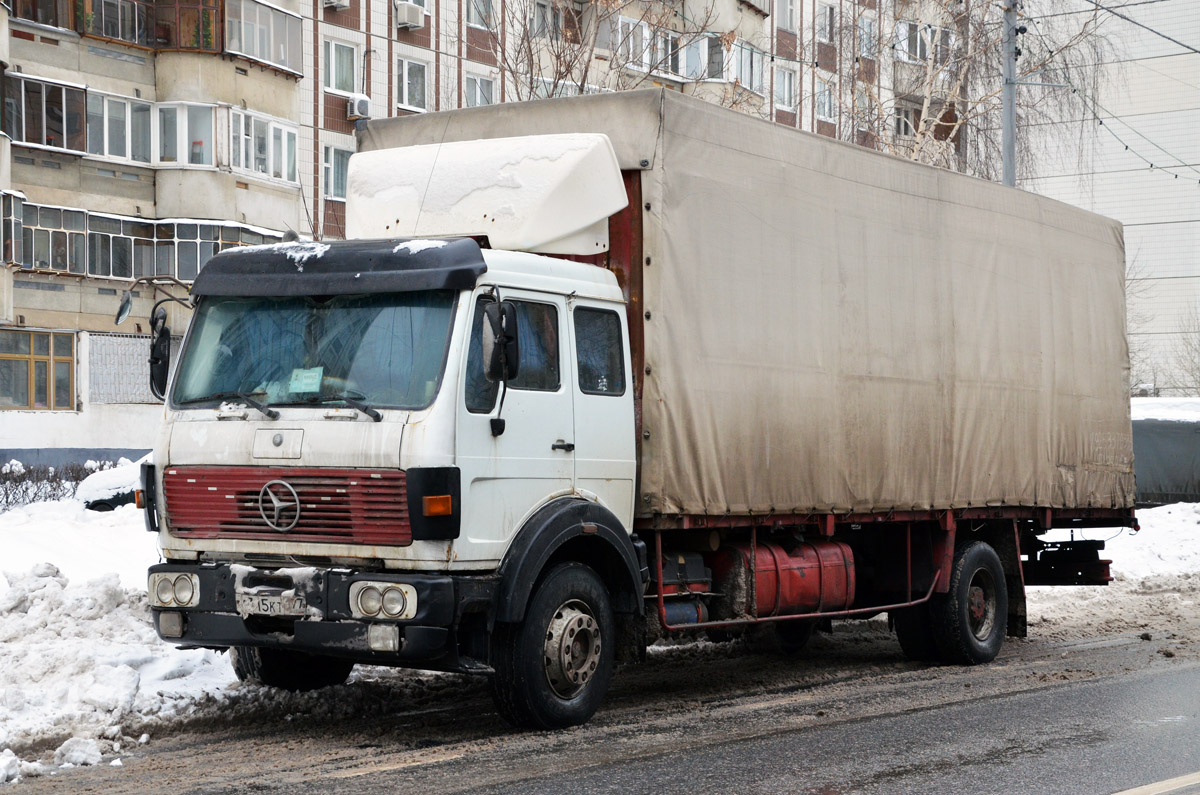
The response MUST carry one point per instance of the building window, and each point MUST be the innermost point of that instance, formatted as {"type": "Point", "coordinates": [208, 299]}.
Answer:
{"type": "Point", "coordinates": [785, 89]}
{"type": "Point", "coordinates": [824, 100]}
{"type": "Point", "coordinates": [187, 25]}
{"type": "Point", "coordinates": [667, 52]}
{"type": "Point", "coordinates": [53, 239]}
{"type": "Point", "coordinates": [547, 19]}
{"type": "Point", "coordinates": [264, 33]}
{"type": "Point", "coordinates": [704, 59]}
{"type": "Point", "coordinates": [787, 14]}
{"type": "Point", "coordinates": [479, 91]}
{"type": "Point", "coordinates": [110, 246]}
{"type": "Point", "coordinates": [127, 20]}
{"type": "Point", "coordinates": [826, 22]}
{"type": "Point", "coordinates": [119, 128]}
{"type": "Point", "coordinates": [261, 145]}
{"type": "Point", "coordinates": [12, 228]}
{"type": "Point", "coordinates": [867, 45]}
{"type": "Point", "coordinates": [126, 129]}
{"type": "Point", "coordinates": [339, 67]}
{"type": "Point", "coordinates": [914, 40]}
{"type": "Point", "coordinates": [337, 166]}
{"type": "Point", "coordinates": [55, 13]}
{"type": "Point", "coordinates": [44, 114]}
{"type": "Point", "coordinates": [634, 44]}
{"type": "Point", "coordinates": [479, 13]}
{"type": "Point", "coordinates": [907, 121]}
{"type": "Point", "coordinates": [196, 244]}
{"type": "Point", "coordinates": [37, 370]}
{"type": "Point", "coordinates": [410, 84]}
{"type": "Point", "coordinates": [749, 66]}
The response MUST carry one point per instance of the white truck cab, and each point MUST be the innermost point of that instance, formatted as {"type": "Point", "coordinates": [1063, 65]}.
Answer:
{"type": "Point", "coordinates": [342, 477]}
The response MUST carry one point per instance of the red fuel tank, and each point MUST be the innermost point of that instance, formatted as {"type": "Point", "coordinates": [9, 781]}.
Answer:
{"type": "Point", "coordinates": [811, 577]}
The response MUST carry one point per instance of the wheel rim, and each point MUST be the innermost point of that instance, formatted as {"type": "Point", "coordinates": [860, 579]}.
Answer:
{"type": "Point", "coordinates": [571, 652]}
{"type": "Point", "coordinates": [981, 604]}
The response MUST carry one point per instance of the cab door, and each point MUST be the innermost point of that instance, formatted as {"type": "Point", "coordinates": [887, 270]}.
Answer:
{"type": "Point", "coordinates": [506, 477]}
{"type": "Point", "coordinates": [605, 448]}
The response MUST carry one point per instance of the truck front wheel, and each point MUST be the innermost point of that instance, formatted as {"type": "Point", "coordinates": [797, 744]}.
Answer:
{"type": "Point", "coordinates": [553, 668]}
{"type": "Point", "coordinates": [286, 669]}
{"type": "Point", "coordinates": [969, 622]}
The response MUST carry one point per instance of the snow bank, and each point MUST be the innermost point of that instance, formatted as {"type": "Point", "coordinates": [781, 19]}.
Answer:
{"type": "Point", "coordinates": [1178, 409]}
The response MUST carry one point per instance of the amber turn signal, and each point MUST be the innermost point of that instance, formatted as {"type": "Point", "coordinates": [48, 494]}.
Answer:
{"type": "Point", "coordinates": [438, 506]}
{"type": "Point", "coordinates": [139, 498]}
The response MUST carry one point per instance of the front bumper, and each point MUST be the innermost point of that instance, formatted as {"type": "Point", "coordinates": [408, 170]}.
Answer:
{"type": "Point", "coordinates": [425, 640]}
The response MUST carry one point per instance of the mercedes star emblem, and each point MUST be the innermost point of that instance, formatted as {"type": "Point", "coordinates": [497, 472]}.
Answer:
{"type": "Point", "coordinates": [279, 505]}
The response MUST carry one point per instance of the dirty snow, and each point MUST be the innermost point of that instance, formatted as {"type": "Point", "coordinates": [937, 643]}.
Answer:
{"type": "Point", "coordinates": [84, 680]}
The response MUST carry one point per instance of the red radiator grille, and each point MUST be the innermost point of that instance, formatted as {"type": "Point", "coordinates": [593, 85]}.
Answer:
{"type": "Point", "coordinates": [356, 506]}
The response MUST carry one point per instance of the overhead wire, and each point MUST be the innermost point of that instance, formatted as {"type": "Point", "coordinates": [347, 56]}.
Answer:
{"type": "Point", "coordinates": [1099, 111]}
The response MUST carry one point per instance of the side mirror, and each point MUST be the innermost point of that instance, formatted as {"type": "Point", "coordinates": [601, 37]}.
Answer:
{"type": "Point", "coordinates": [501, 354]}
{"type": "Point", "coordinates": [160, 353]}
{"type": "Point", "coordinates": [125, 308]}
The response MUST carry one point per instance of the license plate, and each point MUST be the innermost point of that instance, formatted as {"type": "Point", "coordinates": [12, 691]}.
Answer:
{"type": "Point", "coordinates": [249, 604]}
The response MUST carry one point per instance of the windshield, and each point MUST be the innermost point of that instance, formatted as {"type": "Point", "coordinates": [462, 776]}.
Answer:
{"type": "Point", "coordinates": [386, 350]}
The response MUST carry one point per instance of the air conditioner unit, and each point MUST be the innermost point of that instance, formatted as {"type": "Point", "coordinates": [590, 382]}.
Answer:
{"type": "Point", "coordinates": [409, 15]}
{"type": "Point", "coordinates": [337, 4]}
{"type": "Point", "coordinates": [358, 107]}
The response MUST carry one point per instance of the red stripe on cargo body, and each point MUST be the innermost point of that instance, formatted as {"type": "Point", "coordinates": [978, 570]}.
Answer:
{"type": "Point", "coordinates": [347, 506]}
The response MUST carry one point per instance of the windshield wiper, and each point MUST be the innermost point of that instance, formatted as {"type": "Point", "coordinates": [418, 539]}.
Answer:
{"type": "Point", "coordinates": [349, 401]}
{"type": "Point", "coordinates": [271, 413]}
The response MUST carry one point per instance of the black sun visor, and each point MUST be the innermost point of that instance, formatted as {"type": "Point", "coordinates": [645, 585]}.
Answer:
{"type": "Point", "coordinates": [342, 267]}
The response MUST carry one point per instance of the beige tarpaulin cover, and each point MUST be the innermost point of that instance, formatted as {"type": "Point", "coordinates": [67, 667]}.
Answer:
{"type": "Point", "coordinates": [833, 329]}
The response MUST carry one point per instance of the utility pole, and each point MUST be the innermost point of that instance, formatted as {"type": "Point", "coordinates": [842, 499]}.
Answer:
{"type": "Point", "coordinates": [1008, 95]}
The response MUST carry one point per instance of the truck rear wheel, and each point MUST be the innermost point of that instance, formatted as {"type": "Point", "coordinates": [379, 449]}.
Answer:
{"type": "Point", "coordinates": [553, 668]}
{"type": "Point", "coordinates": [286, 669]}
{"type": "Point", "coordinates": [969, 622]}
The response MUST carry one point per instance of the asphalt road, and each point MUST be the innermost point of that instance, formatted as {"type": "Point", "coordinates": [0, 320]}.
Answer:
{"type": "Point", "coordinates": [1080, 715]}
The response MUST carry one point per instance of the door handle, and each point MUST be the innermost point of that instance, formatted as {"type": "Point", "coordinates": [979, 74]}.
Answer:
{"type": "Point", "coordinates": [564, 446]}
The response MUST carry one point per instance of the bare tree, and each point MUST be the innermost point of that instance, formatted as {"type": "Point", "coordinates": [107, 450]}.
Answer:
{"type": "Point", "coordinates": [1187, 355]}
{"type": "Point", "coordinates": [942, 103]}
{"type": "Point", "coordinates": [1143, 369]}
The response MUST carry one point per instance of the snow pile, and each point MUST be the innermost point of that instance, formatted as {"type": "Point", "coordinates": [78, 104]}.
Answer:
{"type": "Point", "coordinates": [82, 672]}
{"type": "Point", "coordinates": [1177, 409]}
{"type": "Point", "coordinates": [13, 467]}
{"type": "Point", "coordinates": [1156, 579]}
{"type": "Point", "coordinates": [124, 477]}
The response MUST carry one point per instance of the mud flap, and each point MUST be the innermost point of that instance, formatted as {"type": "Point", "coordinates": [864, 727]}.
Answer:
{"type": "Point", "coordinates": [1007, 546]}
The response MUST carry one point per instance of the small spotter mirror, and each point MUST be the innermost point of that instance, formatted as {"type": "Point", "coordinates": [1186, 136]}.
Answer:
{"type": "Point", "coordinates": [125, 308]}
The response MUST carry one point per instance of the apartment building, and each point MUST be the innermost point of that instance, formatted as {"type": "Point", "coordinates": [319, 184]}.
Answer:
{"type": "Point", "coordinates": [143, 136]}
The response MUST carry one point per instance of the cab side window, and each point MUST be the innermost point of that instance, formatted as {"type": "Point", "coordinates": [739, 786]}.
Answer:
{"type": "Point", "coordinates": [537, 338]}
{"type": "Point", "coordinates": [599, 351]}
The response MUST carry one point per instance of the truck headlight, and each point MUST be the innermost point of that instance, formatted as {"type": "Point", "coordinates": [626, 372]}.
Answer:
{"type": "Point", "coordinates": [169, 589]}
{"type": "Point", "coordinates": [383, 600]}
